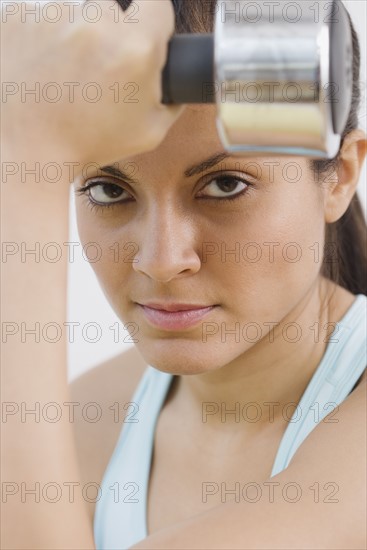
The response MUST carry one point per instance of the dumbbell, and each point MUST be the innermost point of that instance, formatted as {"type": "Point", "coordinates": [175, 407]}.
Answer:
{"type": "Point", "coordinates": [280, 74]}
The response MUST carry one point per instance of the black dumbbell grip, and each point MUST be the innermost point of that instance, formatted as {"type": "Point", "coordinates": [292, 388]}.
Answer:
{"type": "Point", "coordinates": [189, 71]}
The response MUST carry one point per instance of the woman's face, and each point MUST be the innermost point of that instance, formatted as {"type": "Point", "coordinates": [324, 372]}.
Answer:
{"type": "Point", "coordinates": [176, 239]}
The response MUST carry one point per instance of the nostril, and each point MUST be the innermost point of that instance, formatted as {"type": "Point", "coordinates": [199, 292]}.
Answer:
{"type": "Point", "coordinates": [166, 267]}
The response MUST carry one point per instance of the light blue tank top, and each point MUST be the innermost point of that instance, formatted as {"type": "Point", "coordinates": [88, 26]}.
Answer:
{"type": "Point", "coordinates": [120, 519]}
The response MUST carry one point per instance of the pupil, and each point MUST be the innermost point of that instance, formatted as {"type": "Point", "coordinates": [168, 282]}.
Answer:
{"type": "Point", "coordinates": [227, 184]}
{"type": "Point", "coordinates": [112, 191]}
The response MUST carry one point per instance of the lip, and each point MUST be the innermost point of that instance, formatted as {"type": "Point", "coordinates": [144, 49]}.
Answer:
{"type": "Point", "coordinates": [178, 317]}
{"type": "Point", "coordinates": [173, 306]}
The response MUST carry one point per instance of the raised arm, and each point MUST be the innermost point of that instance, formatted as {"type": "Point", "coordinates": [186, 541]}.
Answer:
{"type": "Point", "coordinates": [42, 502]}
{"type": "Point", "coordinates": [317, 503]}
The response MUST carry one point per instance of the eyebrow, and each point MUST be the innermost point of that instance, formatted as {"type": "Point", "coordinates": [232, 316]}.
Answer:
{"type": "Point", "coordinates": [191, 171]}
{"type": "Point", "coordinates": [207, 163]}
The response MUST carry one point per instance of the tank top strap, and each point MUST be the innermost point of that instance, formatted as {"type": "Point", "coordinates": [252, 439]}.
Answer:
{"type": "Point", "coordinates": [120, 514]}
{"type": "Point", "coordinates": [343, 362]}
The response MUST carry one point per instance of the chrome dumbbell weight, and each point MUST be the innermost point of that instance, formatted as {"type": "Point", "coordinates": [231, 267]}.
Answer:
{"type": "Point", "coordinates": [279, 72]}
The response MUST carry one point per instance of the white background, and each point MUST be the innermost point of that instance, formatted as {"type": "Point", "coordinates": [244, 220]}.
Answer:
{"type": "Point", "coordinates": [86, 301]}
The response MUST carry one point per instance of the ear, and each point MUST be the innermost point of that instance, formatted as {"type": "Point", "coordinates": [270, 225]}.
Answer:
{"type": "Point", "coordinates": [340, 193]}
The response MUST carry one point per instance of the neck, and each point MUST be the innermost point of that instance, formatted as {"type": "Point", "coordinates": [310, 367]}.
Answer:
{"type": "Point", "coordinates": [263, 386]}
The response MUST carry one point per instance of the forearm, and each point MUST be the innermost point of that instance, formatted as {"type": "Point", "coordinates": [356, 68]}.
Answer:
{"type": "Point", "coordinates": [317, 502]}
{"type": "Point", "coordinates": [37, 451]}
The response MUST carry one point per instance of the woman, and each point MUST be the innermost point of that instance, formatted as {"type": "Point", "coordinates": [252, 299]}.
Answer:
{"type": "Point", "coordinates": [283, 323]}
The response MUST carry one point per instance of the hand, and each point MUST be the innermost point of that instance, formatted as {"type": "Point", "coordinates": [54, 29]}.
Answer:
{"type": "Point", "coordinates": [105, 76]}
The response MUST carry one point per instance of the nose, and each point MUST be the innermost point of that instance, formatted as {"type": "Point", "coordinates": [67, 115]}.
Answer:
{"type": "Point", "coordinates": [166, 247]}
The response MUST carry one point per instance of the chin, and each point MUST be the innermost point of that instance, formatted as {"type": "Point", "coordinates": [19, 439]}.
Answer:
{"type": "Point", "coordinates": [184, 358]}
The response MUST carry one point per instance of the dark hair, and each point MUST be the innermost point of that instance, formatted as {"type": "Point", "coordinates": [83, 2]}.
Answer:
{"type": "Point", "coordinates": [345, 257]}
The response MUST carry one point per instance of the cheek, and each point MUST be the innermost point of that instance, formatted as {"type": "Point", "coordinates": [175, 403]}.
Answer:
{"type": "Point", "coordinates": [114, 253]}
{"type": "Point", "coordinates": [271, 255]}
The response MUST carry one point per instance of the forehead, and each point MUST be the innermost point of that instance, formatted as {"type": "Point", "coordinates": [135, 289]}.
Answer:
{"type": "Point", "coordinates": [193, 135]}
{"type": "Point", "coordinates": [191, 139]}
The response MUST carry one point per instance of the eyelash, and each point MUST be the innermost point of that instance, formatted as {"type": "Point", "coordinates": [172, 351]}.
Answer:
{"type": "Point", "coordinates": [83, 191]}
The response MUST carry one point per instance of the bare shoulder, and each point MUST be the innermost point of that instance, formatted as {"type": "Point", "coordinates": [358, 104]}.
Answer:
{"type": "Point", "coordinates": [116, 375]}
{"type": "Point", "coordinates": [101, 394]}
{"type": "Point", "coordinates": [344, 427]}
{"type": "Point", "coordinates": [334, 457]}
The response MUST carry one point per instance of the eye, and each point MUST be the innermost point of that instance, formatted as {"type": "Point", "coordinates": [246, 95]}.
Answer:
{"type": "Point", "coordinates": [103, 193]}
{"type": "Point", "coordinates": [226, 187]}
